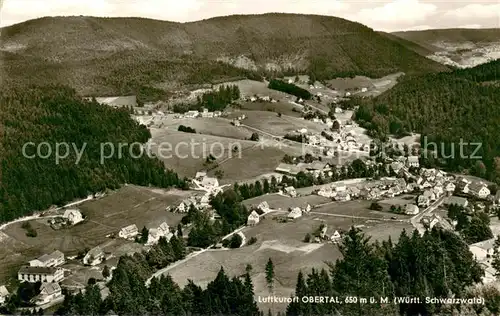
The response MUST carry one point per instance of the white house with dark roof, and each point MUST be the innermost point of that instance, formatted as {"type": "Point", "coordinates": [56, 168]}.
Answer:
{"type": "Point", "coordinates": [296, 212]}
{"type": "Point", "coordinates": [94, 257]}
{"type": "Point", "coordinates": [154, 234]}
{"type": "Point", "coordinates": [53, 259]}
{"type": "Point", "coordinates": [264, 206]}
{"type": "Point", "coordinates": [73, 216]}
{"type": "Point", "coordinates": [40, 274]}
{"type": "Point", "coordinates": [423, 201]}
{"type": "Point", "coordinates": [412, 161]}
{"type": "Point", "coordinates": [48, 293]}
{"type": "Point", "coordinates": [479, 190]}
{"type": "Point", "coordinates": [253, 219]}
{"type": "Point", "coordinates": [291, 191]}
{"type": "Point", "coordinates": [411, 209]}
{"type": "Point", "coordinates": [128, 232]}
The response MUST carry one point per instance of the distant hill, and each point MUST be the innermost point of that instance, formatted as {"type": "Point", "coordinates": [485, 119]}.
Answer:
{"type": "Point", "coordinates": [456, 47]}
{"type": "Point", "coordinates": [430, 39]}
{"type": "Point", "coordinates": [106, 56]}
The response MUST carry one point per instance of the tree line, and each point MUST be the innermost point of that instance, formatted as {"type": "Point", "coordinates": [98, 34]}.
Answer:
{"type": "Point", "coordinates": [289, 88]}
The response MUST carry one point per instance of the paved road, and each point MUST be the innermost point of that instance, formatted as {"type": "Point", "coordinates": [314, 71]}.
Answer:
{"type": "Point", "coordinates": [188, 257]}
{"type": "Point", "coordinates": [415, 220]}
{"type": "Point", "coordinates": [38, 215]}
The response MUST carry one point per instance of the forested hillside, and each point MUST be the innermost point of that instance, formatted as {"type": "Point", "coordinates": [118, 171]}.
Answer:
{"type": "Point", "coordinates": [56, 114]}
{"type": "Point", "coordinates": [445, 108]}
{"type": "Point", "coordinates": [105, 56]}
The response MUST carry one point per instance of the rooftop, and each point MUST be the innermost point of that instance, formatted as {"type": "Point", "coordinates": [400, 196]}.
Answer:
{"type": "Point", "coordinates": [37, 270]}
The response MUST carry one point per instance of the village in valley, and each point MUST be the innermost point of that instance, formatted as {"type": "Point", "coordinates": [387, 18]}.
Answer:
{"type": "Point", "coordinates": [317, 174]}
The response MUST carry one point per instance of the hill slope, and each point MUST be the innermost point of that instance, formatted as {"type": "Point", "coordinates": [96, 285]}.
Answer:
{"type": "Point", "coordinates": [457, 47]}
{"type": "Point", "coordinates": [122, 55]}
{"type": "Point", "coordinates": [56, 115]}
{"type": "Point", "coordinates": [447, 108]}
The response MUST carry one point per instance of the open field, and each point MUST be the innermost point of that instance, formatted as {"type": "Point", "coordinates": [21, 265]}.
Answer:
{"type": "Point", "coordinates": [375, 86]}
{"type": "Point", "coordinates": [253, 163]}
{"type": "Point", "coordinates": [284, 107]}
{"type": "Point", "coordinates": [252, 160]}
{"type": "Point", "coordinates": [128, 205]}
{"type": "Point", "coordinates": [209, 126]}
{"type": "Point", "coordinates": [282, 242]}
{"type": "Point", "coordinates": [269, 122]}
{"type": "Point", "coordinates": [357, 208]}
{"type": "Point", "coordinates": [189, 151]}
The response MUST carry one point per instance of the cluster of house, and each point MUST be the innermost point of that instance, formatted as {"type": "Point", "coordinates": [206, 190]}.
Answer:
{"type": "Point", "coordinates": [45, 269]}
{"type": "Point", "coordinates": [254, 217]}
{"type": "Point", "coordinates": [328, 141]}
{"type": "Point", "coordinates": [195, 114]}
{"type": "Point", "coordinates": [154, 234]}
{"type": "Point", "coordinates": [201, 182]}
{"type": "Point", "coordinates": [258, 98]}
{"type": "Point", "coordinates": [316, 168]}
{"type": "Point", "coordinates": [237, 121]}
{"type": "Point", "coordinates": [69, 218]}
{"type": "Point", "coordinates": [263, 208]}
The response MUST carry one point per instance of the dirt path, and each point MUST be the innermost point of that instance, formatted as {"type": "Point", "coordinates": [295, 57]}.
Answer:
{"type": "Point", "coordinates": [188, 257]}
{"type": "Point", "coordinates": [38, 215]}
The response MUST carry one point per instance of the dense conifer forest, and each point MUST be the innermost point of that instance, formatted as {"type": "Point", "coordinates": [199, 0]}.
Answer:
{"type": "Point", "coordinates": [445, 108]}
{"type": "Point", "coordinates": [56, 114]}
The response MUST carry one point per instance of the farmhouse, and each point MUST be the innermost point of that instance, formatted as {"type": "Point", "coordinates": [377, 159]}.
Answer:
{"type": "Point", "coordinates": [296, 212]}
{"type": "Point", "coordinates": [154, 234]}
{"type": "Point", "coordinates": [94, 256]}
{"type": "Point", "coordinates": [343, 196]}
{"type": "Point", "coordinates": [449, 187]}
{"type": "Point", "coordinates": [40, 274]}
{"type": "Point", "coordinates": [263, 206]}
{"type": "Point", "coordinates": [48, 293]}
{"type": "Point", "coordinates": [411, 209]}
{"type": "Point", "coordinates": [191, 114]}
{"type": "Point", "coordinates": [205, 200]}
{"type": "Point", "coordinates": [479, 190]}
{"type": "Point", "coordinates": [412, 161]}
{"type": "Point", "coordinates": [4, 294]}
{"type": "Point", "coordinates": [73, 216]}
{"type": "Point", "coordinates": [291, 191]}
{"type": "Point", "coordinates": [456, 200]}
{"type": "Point", "coordinates": [253, 219]}
{"type": "Point", "coordinates": [48, 260]}
{"type": "Point", "coordinates": [430, 195]}
{"type": "Point", "coordinates": [423, 201]}
{"type": "Point", "coordinates": [335, 236]}
{"type": "Point", "coordinates": [128, 232]}
{"type": "Point", "coordinates": [210, 183]}
{"type": "Point", "coordinates": [200, 175]}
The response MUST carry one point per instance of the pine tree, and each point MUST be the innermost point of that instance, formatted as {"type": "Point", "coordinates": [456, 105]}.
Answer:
{"type": "Point", "coordinates": [270, 275]}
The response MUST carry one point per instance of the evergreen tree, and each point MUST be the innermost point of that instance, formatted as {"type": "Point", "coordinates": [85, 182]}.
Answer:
{"type": "Point", "coordinates": [270, 275]}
